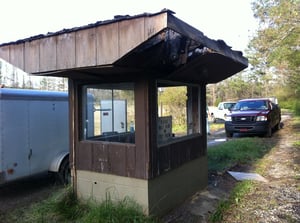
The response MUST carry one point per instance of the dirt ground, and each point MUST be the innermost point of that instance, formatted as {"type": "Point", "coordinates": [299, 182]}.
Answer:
{"type": "Point", "coordinates": [25, 192]}
{"type": "Point", "coordinates": [277, 200]}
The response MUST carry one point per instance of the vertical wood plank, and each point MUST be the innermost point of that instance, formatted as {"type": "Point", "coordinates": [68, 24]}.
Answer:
{"type": "Point", "coordinates": [4, 53]}
{"type": "Point", "coordinates": [131, 34]}
{"type": "Point", "coordinates": [66, 51]}
{"type": "Point", "coordinates": [142, 129]}
{"type": "Point", "coordinates": [16, 55]}
{"type": "Point", "coordinates": [48, 54]}
{"type": "Point", "coordinates": [117, 159]}
{"type": "Point", "coordinates": [107, 43]}
{"type": "Point", "coordinates": [130, 160]}
{"type": "Point", "coordinates": [84, 156]}
{"type": "Point", "coordinates": [155, 24]}
{"type": "Point", "coordinates": [32, 56]}
{"type": "Point", "coordinates": [86, 48]}
{"type": "Point", "coordinates": [101, 158]}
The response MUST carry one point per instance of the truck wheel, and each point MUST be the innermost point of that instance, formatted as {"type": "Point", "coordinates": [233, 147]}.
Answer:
{"type": "Point", "coordinates": [64, 174]}
{"type": "Point", "coordinates": [269, 132]}
{"type": "Point", "coordinates": [277, 127]}
{"type": "Point", "coordinates": [229, 134]}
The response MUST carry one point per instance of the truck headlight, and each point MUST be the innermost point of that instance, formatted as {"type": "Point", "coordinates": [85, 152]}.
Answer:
{"type": "Point", "coordinates": [228, 118]}
{"type": "Point", "coordinates": [261, 118]}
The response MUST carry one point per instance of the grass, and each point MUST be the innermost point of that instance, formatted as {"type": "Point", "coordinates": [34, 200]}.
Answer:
{"type": "Point", "coordinates": [235, 197]}
{"type": "Point", "coordinates": [240, 151]}
{"type": "Point", "coordinates": [236, 152]}
{"type": "Point", "coordinates": [63, 206]}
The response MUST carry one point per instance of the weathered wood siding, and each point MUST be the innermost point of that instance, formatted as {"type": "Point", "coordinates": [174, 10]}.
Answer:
{"type": "Point", "coordinates": [87, 47]}
{"type": "Point", "coordinates": [176, 154]}
{"type": "Point", "coordinates": [144, 159]}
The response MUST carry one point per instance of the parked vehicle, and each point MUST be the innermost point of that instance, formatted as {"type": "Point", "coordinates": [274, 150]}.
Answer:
{"type": "Point", "coordinates": [256, 116]}
{"type": "Point", "coordinates": [34, 134]}
{"type": "Point", "coordinates": [222, 110]}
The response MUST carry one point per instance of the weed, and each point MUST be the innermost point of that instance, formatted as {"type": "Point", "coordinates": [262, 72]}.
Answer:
{"type": "Point", "coordinates": [241, 151]}
{"type": "Point", "coordinates": [225, 156]}
{"type": "Point", "coordinates": [65, 207]}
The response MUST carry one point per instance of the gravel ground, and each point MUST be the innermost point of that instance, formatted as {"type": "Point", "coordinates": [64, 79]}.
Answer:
{"type": "Point", "coordinates": [25, 192]}
{"type": "Point", "coordinates": [277, 200]}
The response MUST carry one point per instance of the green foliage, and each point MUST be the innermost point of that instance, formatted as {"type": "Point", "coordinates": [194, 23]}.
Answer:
{"type": "Point", "coordinates": [225, 156]}
{"type": "Point", "coordinates": [297, 108]}
{"type": "Point", "coordinates": [275, 48]}
{"type": "Point", "coordinates": [108, 211]}
{"type": "Point", "coordinates": [240, 151]}
{"type": "Point", "coordinates": [273, 53]}
{"type": "Point", "coordinates": [65, 207]}
{"type": "Point", "coordinates": [173, 100]}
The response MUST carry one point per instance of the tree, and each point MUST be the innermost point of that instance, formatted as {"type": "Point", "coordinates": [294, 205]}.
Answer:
{"type": "Point", "coordinates": [274, 51]}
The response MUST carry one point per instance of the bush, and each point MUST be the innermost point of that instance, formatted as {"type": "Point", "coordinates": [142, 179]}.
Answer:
{"type": "Point", "coordinates": [297, 108]}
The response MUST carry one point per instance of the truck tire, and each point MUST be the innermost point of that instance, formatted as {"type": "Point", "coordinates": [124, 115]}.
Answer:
{"type": "Point", "coordinates": [269, 132]}
{"type": "Point", "coordinates": [64, 173]}
{"type": "Point", "coordinates": [229, 134]}
{"type": "Point", "coordinates": [277, 126]}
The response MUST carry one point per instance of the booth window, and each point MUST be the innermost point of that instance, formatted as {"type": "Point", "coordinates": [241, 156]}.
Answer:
{"type": "Point", "coordinates": [108, 113]}
{"type": "Point", "coordinates": [178, 111]}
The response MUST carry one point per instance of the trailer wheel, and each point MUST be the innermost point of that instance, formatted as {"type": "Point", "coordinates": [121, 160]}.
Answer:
{"type": "Point", "coordinates": [64, 173]}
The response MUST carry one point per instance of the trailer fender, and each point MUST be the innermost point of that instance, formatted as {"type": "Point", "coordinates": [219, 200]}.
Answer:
{"type": "Point", "coordinates": [57, 161]}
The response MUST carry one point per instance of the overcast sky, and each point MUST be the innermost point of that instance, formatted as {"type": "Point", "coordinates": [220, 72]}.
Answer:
{"type": "Point", "coordinates": [229, 20]}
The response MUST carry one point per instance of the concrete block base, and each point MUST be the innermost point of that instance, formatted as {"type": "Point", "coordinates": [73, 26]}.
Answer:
{"type": "Point", "coordinates": [156, 196]}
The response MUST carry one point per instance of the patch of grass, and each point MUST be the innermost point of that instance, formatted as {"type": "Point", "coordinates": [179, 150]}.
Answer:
{"type": "Point", "coordinates": [224, 156]}
{"type": "Point", "coordinates": [64, 206]}
{"type": "Point", "coordinates": [236, 195]}
{"type": "Point", "coordinates": [240, 151]}
{"type": "Point", "coordinates": [296, 108]}
{"type": "Point", "coordinates": [250, 150]}
{"type": "Point", "coordinates": [126, 210]}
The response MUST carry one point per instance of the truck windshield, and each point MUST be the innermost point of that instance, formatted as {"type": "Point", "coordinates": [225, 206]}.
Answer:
{"type": "Point", "coordinates": [228, 105]}
{"type": "Point", "coordinates": [251, 105]}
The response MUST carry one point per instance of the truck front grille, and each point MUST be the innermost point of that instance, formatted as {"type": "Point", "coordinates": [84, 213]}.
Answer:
{"type": "Point", "coordinates": [243, 118]}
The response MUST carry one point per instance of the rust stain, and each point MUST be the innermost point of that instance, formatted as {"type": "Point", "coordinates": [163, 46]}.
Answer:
{"type": "Point", "coordinates": [10, 171]}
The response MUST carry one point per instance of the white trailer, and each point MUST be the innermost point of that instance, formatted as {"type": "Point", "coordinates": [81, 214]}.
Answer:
{"type": "Point", "coordinates": [34, 134]}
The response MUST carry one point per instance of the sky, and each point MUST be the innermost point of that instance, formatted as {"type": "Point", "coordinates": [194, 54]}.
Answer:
{"type": "Point", "coordinates": [229, 20]}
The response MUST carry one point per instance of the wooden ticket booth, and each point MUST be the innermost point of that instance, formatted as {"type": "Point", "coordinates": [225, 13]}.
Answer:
{"type": "Point", "coordinates": [125, 140]}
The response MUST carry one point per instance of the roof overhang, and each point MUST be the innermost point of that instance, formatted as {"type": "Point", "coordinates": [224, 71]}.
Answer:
{"type": "Point", "coordinates": [166, 48]}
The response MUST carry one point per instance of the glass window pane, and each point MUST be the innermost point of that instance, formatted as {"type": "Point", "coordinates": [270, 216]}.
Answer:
{"type": "Point", "coordinates": [108, 112]}
{"type": "Point", "coordinates": [178, 111]}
